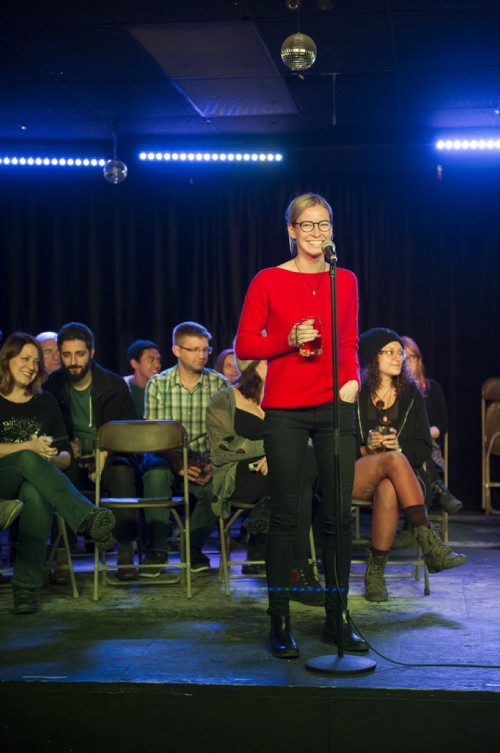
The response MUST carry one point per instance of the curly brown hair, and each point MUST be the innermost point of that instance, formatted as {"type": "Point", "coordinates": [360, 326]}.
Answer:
{"type": "Point", "coordinates": [11, 348]}
{"type": "Point", "coordinates": [371, 378]}
{"type": "Point", "coordinates": [250, 383]}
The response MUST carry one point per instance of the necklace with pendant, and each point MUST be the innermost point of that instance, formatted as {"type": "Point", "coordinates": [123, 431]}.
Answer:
{"type": "Point", "coordinates": [311, 288]}
{"type": "Point", "coordinates": [380, 401]}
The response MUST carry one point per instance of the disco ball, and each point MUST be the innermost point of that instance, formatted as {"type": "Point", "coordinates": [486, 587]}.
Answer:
{"type": "Point", "coordinates": [115, 171]}
{"type": "Point", "coordinates": [298, 52]}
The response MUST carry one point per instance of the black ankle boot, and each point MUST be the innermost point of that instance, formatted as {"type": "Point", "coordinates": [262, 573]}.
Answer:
{"type": "Point", "coordinates": [282, 641]}
{"type": "Point", "coordinates": [351, 641]}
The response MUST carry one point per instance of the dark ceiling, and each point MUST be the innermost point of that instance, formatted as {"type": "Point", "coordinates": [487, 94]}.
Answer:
{"type": "Point", "coordinates": [208, 71]}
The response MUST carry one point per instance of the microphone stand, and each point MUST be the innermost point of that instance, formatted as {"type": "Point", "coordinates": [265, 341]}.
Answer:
{"type": "Point", "coordinates": [337, 664]}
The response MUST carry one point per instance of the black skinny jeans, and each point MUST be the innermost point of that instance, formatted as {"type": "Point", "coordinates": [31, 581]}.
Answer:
{"type": "Point", "coordinates": [286, 433]}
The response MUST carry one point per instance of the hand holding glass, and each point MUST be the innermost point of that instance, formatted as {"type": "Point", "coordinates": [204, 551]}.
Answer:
{"type": "Point", "coordinates": [309, 336]}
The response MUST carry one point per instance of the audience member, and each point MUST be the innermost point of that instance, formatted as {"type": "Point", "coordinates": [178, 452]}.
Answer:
{"type": "Point", "coordinates": [34, 449]}
{"type": "Point", "coordinates": [437, 412]}
{"type": "Point", "coordinates": [51, 358]}
{"type": "Point", "coordinates": [145, 359]}
{"type": "Point", "coordinates": [226, 364]}
{"type": "Point", "coordinates": [9, 510]}
{"type": "Point", "coordinates": [182, 393]}
{"type": "Point", "coordinates": [395, 442]}
{"type": "Point", "coordinates": [89, 396]}
{"type": "Point", "coordinates": [235, 425]}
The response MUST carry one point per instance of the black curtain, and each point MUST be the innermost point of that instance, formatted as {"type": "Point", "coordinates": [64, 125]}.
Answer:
{"type": "Point", "coordinates": [134, 260]}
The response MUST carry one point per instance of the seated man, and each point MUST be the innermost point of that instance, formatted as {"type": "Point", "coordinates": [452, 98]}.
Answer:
{"type": "Point", "coordinates": [51, 358]}
{"type": "Point", "coordinates": [182, 393]}
{"type": "Point", "coordinates": [89, 396]}
{"type": "Point", "coordinates": [145, 359]}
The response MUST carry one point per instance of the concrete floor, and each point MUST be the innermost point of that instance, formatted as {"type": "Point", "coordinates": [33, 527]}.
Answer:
{"type": "Point", "coordinates": [152, 634]}
{"type": "Point", "coordinates": [146, 669]}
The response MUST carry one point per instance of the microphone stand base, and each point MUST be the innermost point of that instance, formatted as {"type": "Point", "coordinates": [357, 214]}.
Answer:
{"type": "Point", "coordinates": [333, 664]}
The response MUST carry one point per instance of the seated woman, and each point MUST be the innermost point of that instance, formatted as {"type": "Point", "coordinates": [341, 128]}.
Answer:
{"type": "Point", "coordinates": [9, 510]}
{"type": "Point", "coordinates": [235, 425]}
{"type": "Point", "coordinates": [395, 441]}
{"type": "Point", "coordinates": [34, 451]}
{"type": "Point", "coordinates": [437, 413]}
{"type": "Point", "coordinates": [225, 364]}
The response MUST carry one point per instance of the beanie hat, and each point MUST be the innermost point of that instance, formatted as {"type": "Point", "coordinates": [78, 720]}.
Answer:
{"type": "Point", "coordinates": [373, 340]}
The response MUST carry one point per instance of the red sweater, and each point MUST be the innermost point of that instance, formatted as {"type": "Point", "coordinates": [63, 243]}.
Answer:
{"type": "Point", "coordinates": [276, 300]}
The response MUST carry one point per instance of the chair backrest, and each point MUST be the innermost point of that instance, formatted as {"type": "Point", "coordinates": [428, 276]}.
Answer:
{"type": "Point", "coordinates": [141, 436]}
{"type": "Point", "coordinates": [490, 390]}
{"type": "Point", "coordinates": [490, 414]}
{"type": "Point", "coordinates": [492, 426]}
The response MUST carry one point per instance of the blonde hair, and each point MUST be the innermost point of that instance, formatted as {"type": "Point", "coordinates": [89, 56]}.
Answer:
{"type": "Point", "coordinates": [298, 205]}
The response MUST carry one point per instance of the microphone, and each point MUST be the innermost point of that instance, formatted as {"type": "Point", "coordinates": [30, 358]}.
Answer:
{"type": "Point", "coordinates": [330, 251]}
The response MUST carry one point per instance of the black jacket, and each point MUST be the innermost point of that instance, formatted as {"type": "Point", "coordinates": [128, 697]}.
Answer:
{"type": "Point", "coordinates": [409, 418]}
{"type": "Point", "coordinates": [411, 424]}
{"type": "Point", "coordinates": [110, 395]}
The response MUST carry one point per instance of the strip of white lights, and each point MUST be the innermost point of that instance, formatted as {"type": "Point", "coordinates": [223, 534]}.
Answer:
{"type": "Point", "coordinates": [465, 145]}
{"type": "Point", "coordinates": [52, 161]}
{"type": "Point", "coordinates": [204, 157]}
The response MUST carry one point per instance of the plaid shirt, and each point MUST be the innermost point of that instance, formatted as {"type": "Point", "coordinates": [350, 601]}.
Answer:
{"type": "Point", "coordinates": [167, 398]}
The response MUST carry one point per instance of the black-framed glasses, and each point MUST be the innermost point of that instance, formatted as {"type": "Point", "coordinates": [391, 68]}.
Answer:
{"type": "Point", "coordinates": [399, 354]}
{"type": "Point", "coordinates": [324, 226]}
{"type": "Point", "coordinates": [204, 351]}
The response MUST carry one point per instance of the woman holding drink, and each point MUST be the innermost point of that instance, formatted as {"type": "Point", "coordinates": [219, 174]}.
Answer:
{"type": "Point", "coordinates": [291, 304]}
{"type": "Point", "coordinates": [395, 443]}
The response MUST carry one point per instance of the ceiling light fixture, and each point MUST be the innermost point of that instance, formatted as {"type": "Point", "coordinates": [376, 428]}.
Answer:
{"type": "Point", "coordinates": [204, 157]}
{"type": "Point", "coordinates": [298, 52]}
{"type": "Point", "coordinates": [115, 171]}
{"type": "Point", "coordinates": [22, 161]}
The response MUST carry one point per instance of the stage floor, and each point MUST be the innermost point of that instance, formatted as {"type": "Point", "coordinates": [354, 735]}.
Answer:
{"type": "Point", "coordinates": [152, 638]}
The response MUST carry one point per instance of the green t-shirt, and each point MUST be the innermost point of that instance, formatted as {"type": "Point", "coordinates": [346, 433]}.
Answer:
{"type": "Point", "coordinates": [137, 395]}
{"type": "Point", "coordinates": [82, 417]}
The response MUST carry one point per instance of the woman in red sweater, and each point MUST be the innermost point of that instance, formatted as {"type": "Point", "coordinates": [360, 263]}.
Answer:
{"type": "Point", "coordinates": [285, 302]}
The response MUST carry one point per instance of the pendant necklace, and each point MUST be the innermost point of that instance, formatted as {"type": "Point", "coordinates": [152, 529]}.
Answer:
{"type": "Point", "coordinates": [311, 288]}
{"type": "Point", "coordinates": [379, 402]}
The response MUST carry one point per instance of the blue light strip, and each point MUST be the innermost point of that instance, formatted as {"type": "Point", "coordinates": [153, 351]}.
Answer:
{"type": "Point", "coordinates": [205, 157]}
{"type": "Point", "coordinates": [478, 144]}
{"type": "Point", "coordinates": [15, 161]}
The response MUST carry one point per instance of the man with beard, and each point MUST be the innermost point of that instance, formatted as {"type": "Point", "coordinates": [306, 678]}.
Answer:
{"type": "Point", "coordinates": [89, 396]}
{"type": "Point", "coordinates": [182, 393]}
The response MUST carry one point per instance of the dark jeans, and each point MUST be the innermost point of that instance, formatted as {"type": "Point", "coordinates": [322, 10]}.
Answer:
{"type": "Point", "coordinates": [286, 435]}
{"type": "Point", "coordinates": [161, 481]}
{"type": "Point", "coordinates": [120, 478]}
{"type": "Point", "coordinates": [43, 488]}
{"type": "Point", "coordinates": [250, 486]}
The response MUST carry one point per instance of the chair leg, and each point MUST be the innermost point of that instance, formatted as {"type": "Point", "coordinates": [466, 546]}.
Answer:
{"type": "Point", "coordinates": [64, 535]}
{"type": "Point", "coordinates": [95, 590]}
{"type": "Point", "coordinates": [223, 556]}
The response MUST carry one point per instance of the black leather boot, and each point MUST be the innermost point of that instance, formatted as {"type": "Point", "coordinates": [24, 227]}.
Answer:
{"type": "Point", "coordinates": [281, 639]}
{"type": "Point", "coordinates": [352, 641]}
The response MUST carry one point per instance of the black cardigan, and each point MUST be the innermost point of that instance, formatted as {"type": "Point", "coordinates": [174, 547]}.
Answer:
{"type": "Point", "coordinates": [409, 418]}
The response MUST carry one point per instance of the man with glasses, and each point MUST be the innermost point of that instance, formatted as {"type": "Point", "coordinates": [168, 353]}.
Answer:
{"type": "Point", "coordinates": [182, 394]}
